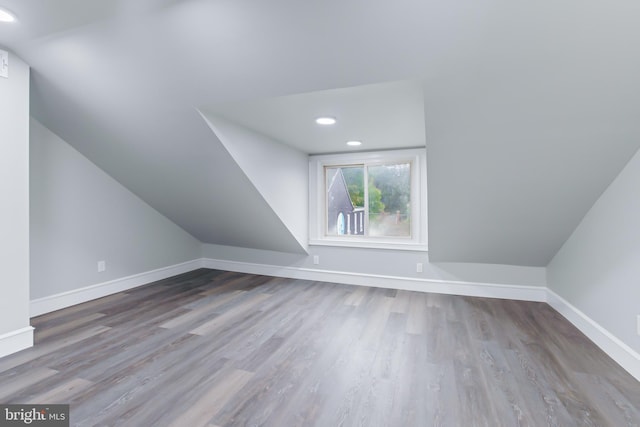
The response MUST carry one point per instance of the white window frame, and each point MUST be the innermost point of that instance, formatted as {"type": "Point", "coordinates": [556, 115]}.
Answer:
{"type": "Point", "coordinates": [318, 208]}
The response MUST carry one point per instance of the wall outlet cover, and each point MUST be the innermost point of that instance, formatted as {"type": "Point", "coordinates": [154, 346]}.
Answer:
{"type": "Point", "coordinates": [4, 64]}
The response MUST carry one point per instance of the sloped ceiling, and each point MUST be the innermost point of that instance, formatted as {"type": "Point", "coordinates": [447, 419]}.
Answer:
{"type": "Point", "coordinates": [530, 109]}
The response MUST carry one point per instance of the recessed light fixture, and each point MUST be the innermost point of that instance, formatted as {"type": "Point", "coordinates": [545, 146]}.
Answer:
{"type": "Point", "coordinates": [354, 143]}
{"type": "Point", "coordinates": [6, 16]}
{"type": "Point", "coordinates": [326, 120]}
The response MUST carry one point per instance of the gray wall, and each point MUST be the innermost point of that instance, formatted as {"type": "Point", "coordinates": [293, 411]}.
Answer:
{"type": "Point", "coordinates": [14, 188]}
{"type": "Point", "coordinates": [80, 215]}
{"type": "Point", "coordinates": [383, 262]}
{"type": "Point", "coordinates": [279, 172]}
{"type": "Point", "coordinates": [597, 270]}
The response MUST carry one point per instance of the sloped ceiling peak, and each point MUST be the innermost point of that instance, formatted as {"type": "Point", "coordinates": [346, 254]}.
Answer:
{"type": "Point", "coordinates": [530, 108]}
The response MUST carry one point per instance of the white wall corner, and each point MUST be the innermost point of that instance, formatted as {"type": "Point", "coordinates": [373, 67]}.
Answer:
{"type": "Point", "coordinates": [624, 355]}
{"type": "Point", "coordinates": [14, 341]}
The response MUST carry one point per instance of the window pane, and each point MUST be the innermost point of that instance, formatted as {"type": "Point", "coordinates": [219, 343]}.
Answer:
{"type": "Point", "coordinates": [389, 200]}
{"type": "Point", "coordinates": [344, 211]}
{"type": "Point", "coordinates": [345, 200]}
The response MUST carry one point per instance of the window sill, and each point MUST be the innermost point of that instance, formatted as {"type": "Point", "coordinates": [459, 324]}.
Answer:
{"type": "Point", "coordinates": [368, 244]}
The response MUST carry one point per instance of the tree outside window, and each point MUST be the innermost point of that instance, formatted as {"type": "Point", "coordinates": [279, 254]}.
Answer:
{"type": "Point", "coordinates": [381, 191]}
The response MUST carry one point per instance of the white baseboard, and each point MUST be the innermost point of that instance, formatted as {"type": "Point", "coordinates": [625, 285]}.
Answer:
{"type": "Point", "coordinates": [488, 290]}
{"type": "Point", "coordinates": [66, 299]}
{"type": "Point", "coordinates": [616, 349]}
{"type": "Point", "coordinates": [15, 341]}
{"type": "Point", "coordinates": [624, 355]}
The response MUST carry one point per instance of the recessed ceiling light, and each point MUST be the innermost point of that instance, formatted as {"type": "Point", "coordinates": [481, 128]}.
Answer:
{"type": "Point", "coordinates": [6, 16]}
{"type": "Point", "coordinates": [326, 121]}
{"type": "Point", "coordinates": [354, 143]}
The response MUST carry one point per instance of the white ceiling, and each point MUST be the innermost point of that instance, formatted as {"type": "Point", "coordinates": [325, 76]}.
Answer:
{"type": "Point", "coordinates": [530, 108]}
{"type": "Point", "coordinates": [381, 116]}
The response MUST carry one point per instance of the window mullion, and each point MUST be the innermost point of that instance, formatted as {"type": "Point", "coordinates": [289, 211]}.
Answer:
{"type": "Point", "coordinates": [366, 199]}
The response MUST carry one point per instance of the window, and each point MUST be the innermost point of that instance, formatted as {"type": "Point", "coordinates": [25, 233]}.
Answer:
{"type": "Point", "coordinates": [369, 199]}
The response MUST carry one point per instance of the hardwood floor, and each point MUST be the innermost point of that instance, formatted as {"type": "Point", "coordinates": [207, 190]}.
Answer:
{"type": "Point", "coordinates": [213, 348]}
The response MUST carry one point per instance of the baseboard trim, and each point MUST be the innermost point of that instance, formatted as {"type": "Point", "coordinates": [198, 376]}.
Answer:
{"type": "Point", "coordinates": [615, 348]}
{"type": "Point", "coordinates": [77, 296]}
{"type": "Point", "coordinates": [624, 355]}
{"type": "Point", "coordinates": [487, 290]}
{"type": "Point", "coordinates": [17, 340]}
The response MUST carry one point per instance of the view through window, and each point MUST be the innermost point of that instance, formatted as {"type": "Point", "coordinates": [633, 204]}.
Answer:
{"type": "Point", "coordinates": [368, 200]}
{"type": "Point", "coordinates": [373, 199]}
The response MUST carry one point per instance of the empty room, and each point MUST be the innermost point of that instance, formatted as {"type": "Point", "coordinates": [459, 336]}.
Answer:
{"type": "Point", "coordinates": [321, 213]}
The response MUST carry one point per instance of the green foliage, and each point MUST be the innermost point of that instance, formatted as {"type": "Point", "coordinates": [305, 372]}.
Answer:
{"type": "Point", "coordinates": [375, 198]}
{"type": "Point", "coordinates": [394, 181]}
{"type": "Point", "coordinates": [354, 177]}
{"type": "Point", "coordinates": [356, 193]}
{"type": "Point", "coordinates": [389, 187]}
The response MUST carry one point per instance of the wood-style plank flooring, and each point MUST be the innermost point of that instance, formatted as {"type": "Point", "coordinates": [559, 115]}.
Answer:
{"type": "Point", "coordinates": [214, 348]}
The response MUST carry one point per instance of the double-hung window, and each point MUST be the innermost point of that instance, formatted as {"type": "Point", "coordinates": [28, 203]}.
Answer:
{"type": "Point", "coordinates": [375, 199]}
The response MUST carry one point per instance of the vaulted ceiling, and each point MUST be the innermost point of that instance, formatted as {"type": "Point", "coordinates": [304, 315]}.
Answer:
{"type": "Point", "coordinates": [529, 109]}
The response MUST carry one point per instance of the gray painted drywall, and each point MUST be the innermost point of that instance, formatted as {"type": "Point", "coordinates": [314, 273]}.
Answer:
{"type": "Point", "coordinates": [14, 188]}
{"type": "Point", "coordinates": [597, 270]}
{"type": "Point", "coordinates": [80, 215]}
{"type": "Point", "coordinates": [385, 262]}
{"type": "Point", "coordinates": [530, 109]}
{"type": "Point", "coordinates": [510, 188]}
{"type": "Point", "coordinates": [188, 177]}
{"type": "Point", "coordinates": [280, 173]}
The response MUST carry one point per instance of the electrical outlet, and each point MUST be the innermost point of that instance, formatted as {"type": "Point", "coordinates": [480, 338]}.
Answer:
{"type": "Point", "coordinates": [4, 64]}
{"type": "Point", "coordinates": [419, 267]}
{"type": "Point", "coordinates": [102, 266]}
{"type": "Point", "coordinates": [316, 259]}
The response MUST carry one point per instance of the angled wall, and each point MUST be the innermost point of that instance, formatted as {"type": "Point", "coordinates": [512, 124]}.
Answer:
{"type": "Point", "coordinates": [15, 331]}
{"type": "Point", "coordinates": [597, 270]}
{"type": "Point", "coordinates": [80, 215]}
{"type": "Point", "coordinates": [279, 173]}
{"type": "Point", "coordinates": [512, 171]}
